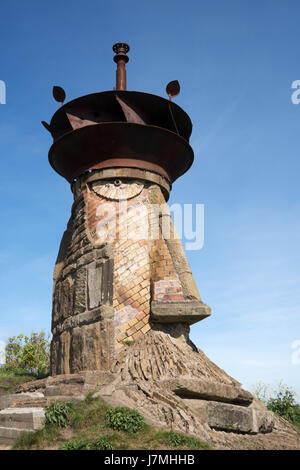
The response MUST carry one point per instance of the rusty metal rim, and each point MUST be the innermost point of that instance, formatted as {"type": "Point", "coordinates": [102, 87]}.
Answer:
{"type": "Point", "coordinates": [143, 95]}
{"type": "Point", "coordinates": [143, 163]}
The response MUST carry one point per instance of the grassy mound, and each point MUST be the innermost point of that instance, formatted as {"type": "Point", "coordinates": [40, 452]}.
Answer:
{"type": "Point", "coordinates": [93, 425]}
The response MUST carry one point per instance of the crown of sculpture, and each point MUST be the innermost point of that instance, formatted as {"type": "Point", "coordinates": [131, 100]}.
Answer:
{"type": "Point", "coordinates": [120, 128]}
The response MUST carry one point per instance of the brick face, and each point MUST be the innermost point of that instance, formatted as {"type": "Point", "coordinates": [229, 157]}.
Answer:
{"type": "Point", "coordinates": [138, 269]}
{"type": "Point", "coordinates": [143, 267]}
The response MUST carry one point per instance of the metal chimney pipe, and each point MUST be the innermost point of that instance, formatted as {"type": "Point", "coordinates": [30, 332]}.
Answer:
{"type": "Point", "coordinates": [121, 49]}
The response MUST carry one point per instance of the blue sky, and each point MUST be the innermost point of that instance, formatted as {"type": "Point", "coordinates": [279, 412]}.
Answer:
{"type": "Point", "coordinates": [235, 61]}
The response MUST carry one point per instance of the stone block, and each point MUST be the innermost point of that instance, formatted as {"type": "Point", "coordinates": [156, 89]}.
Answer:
{"type": "Point", "coordinates": [80, 290]}
{"type": "Point", "coordinates": [9, 435]}
{"type": "Point", "coordinates": [95, 284]}
{"type": "Point", "coordinates": [187, 387]}
{"type": "Point", "coordinates": [22, 418]}
{"type": "Point", "coordinates": [187, 311]}
{"type": "Point", "coordinates": [232, 418]}
{"type": "Point", "coordinates": [7, 400]}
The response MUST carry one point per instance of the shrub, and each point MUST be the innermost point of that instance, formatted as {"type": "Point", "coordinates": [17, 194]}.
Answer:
{"type": "Point", "coordinates": [29, 354]}
{"type": "Point", "coordinates": [124, 419]}
{"type": "Point", "coordinates": [58, 414]}
{"type": "Point", "coordinates": [281, 401]}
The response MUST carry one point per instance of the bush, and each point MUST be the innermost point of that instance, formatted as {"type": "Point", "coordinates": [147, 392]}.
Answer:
{"type": "Point", "coordinates": [58, 414]}
{"type": "Point", "coordinates": [124, 419]}
{"type": "Point", "coordinates": [281, 402]}
{"type": "Point", "coordinates": [29, 354]}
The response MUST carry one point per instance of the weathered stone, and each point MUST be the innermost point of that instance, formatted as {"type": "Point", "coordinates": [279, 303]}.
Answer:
{"type": "Point", "coordinates": [232, 418]}
{"type": "Point", "coordinates": [80, 293]}
{"type": "Point", "coordinates": [187, 387]}
{"type": "Point", "coordinates": [7, 401]}
{"type": "Point", "coordinates": [180, 312]}
{"type": "Point", "coordinates": [9, 435]}
{"type": "Point", "coordinates": [95, 273]}
{"type": "Point", "coordinates": [66, 294]}
{"type": "Point", "coordinates": [64, 390]}
{"type": "Point", "coordinates": [85, 259]}
{"type": "Point", "coordinates": [22, 418]}
{"type": "Point", "coordinates": [91, 346]}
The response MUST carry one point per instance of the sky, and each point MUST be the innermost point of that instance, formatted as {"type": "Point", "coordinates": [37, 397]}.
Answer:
{"type": "Point", "coordinates": [236, 62]}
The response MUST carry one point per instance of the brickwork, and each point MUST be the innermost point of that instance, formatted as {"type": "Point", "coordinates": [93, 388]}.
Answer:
{"type": "Point", "coordinates": [82, 316]}
{"type": "Point", "coordinates": [113, 263]}
{"type": "Point", "coordinates": [167, 290]}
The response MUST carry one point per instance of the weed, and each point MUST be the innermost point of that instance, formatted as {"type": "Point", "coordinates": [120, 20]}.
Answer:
{"type": "Point", "coordinates": [58, 414]}
{"type": "Point", "coordinates": [124, 419]}
{"type": "Point", "coordinates": [101, 443]}
{"type": "Point", "coordinates": [128, 342]}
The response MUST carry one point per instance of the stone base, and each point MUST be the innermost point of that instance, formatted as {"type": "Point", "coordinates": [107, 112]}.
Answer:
{"type": "Point", "coordinates": [175, 386]}
{"type": "Point", "coordinates": [13, 421]}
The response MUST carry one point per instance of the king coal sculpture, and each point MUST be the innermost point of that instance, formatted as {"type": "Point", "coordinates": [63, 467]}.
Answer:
{"type": "Point", "coordinates": [124, 296]}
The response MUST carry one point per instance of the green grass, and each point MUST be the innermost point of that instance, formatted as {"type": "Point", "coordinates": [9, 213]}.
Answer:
{"type": "Point", "coordinates": [89, 429]}
{"type": "Point", "coordinates": [11, 380]}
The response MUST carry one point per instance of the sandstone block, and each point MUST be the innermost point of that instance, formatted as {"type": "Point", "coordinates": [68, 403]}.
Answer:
{"type": "Point", "coordinates": [232, 418]}
{"type": "Point", "coordinates": [187, 387]}
{"type": "Point", "coordinates": [187, 311]}
{"type": "Point", "coordinates": [22, 418]}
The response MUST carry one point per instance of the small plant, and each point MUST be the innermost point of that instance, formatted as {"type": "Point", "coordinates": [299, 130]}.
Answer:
{"type": "Point", "coordinates": [128, 342]}
{"type": "Point", "coordinates": [77, 444]}
{"type": "Point", "coordinates": [58, 414]}
{"type": "Point", "coordinates": [124, 419]}
{"type": "Point", "coordinates": [102, 443]}
{"type": "Point", "coordinates": [89, 397]}
{"type": "Point", "coordinates": [176, 439]}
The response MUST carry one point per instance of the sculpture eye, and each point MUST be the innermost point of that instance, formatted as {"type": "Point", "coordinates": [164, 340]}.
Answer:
{"type": "Point", "coordinates": [117, 182]}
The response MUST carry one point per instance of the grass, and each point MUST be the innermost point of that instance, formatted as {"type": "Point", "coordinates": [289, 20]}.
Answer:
{"type": "Point", "coordinates": [11, 380]}
{"type": "Point", "coordinates": [87, 429]}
